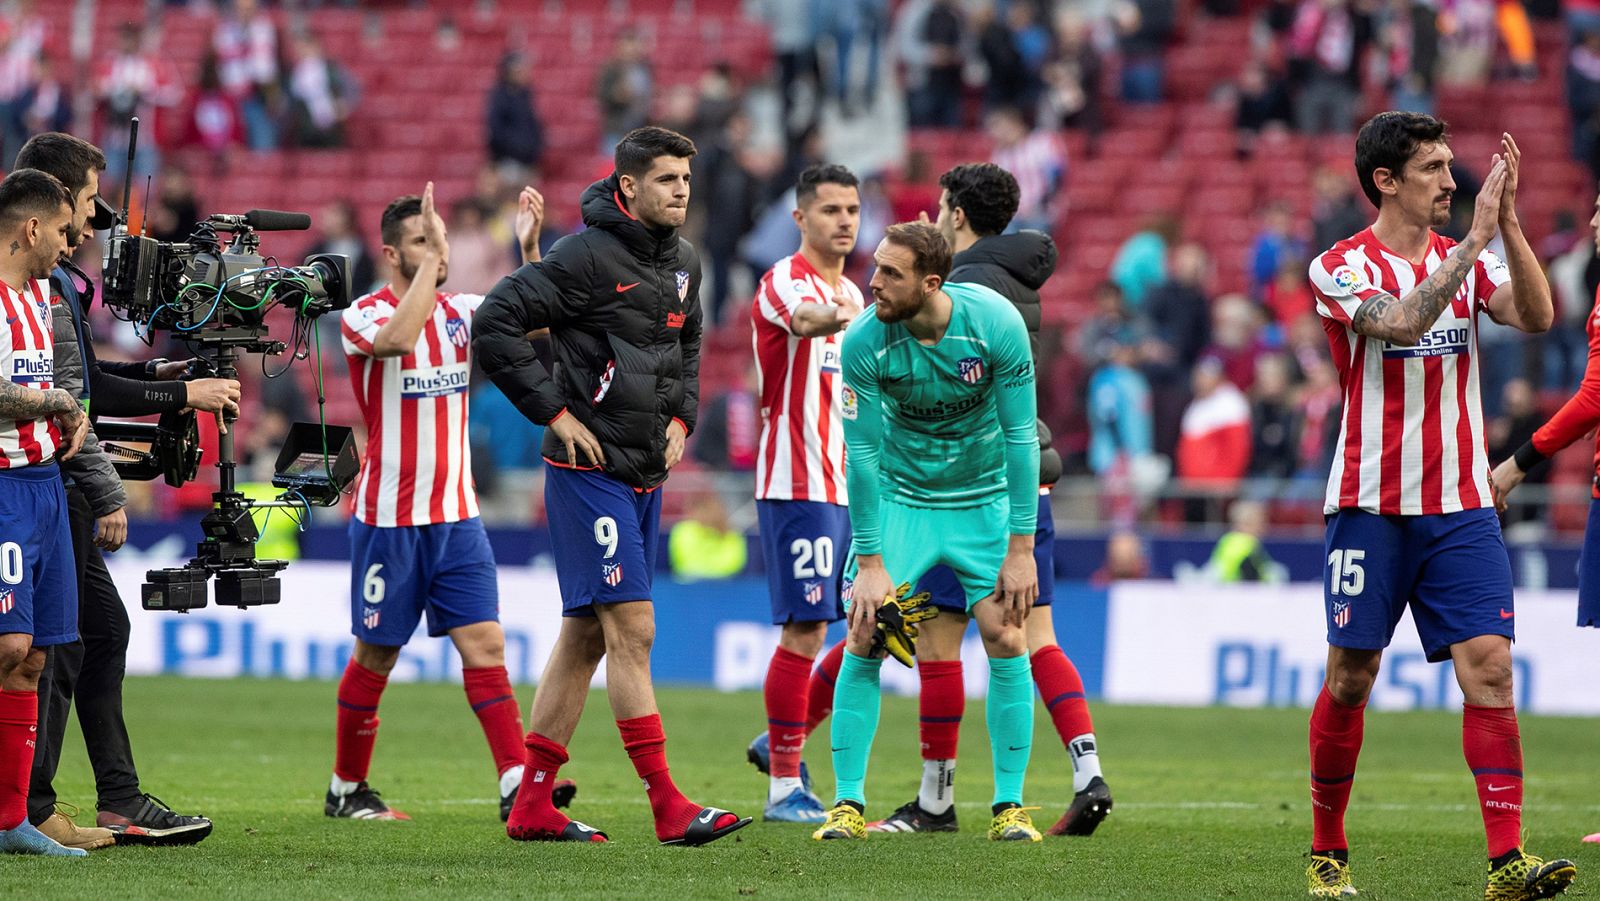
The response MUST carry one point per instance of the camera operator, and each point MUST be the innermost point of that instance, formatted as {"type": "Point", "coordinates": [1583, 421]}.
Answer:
{"type": "Point", "coordinates": [93, 667]}
{"type": "Point", "coordinates": [39, 423]}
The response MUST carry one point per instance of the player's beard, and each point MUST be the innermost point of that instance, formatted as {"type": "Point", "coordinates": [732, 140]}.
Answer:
{"type": "Point", "coordinates": [408, 271]}
{"type": "Point", "coordinates": [1441, 215]}
{"type": "Point", "coordinates": [899, 312]}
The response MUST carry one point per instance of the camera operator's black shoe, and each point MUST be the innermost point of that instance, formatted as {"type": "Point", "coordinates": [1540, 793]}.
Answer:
{"type": "Point", "coordinates": [147, 820]}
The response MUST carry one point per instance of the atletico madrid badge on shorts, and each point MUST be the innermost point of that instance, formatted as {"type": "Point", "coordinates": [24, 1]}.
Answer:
{"type": "Point", "coordinates": [971, 369]}
{"type": "Point", "coordinates": [370, 618]}
{"type": "Point", "coordinates": [1341, 613]}
{"type": "Point", "coordinates": [7, 600]}
{"type": "Point", "coordinates": [814, 593]}
{"type": "Point", "coordinates": [611, 573]}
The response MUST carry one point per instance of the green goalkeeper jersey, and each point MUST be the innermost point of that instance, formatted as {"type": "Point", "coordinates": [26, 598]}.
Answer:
{"type": "Point", "coordinates": [947, 425]}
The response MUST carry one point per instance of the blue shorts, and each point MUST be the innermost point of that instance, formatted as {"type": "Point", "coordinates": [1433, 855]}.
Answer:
{"type": "Point", "coordinates": [1451, 568]}
{"type": "Point", "coordinates": [1589, 570]}
{"type": "Point", "coordinates": [804, 545]}
{"type": "Point", "coordinates": [399, 573]}
{"type": "Point", "coordinates": [38, 582]}
{"type": "Point", "coordinates": [604, 534]}
{"type": "Point", "coordinates": [948, 594]}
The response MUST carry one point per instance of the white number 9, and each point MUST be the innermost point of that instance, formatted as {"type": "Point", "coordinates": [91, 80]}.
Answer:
{"type": "Point", "coordinates": [605, 533]}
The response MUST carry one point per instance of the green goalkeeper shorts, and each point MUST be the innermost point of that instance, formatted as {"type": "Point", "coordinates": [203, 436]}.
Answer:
{"type": "Point", "coordinates": [970, 540]}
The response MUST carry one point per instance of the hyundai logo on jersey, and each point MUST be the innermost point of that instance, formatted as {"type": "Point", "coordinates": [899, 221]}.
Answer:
{"type": "Point", "coordinates": [30, 366]}
{"type": "Point", "coordinates": [434, 381]}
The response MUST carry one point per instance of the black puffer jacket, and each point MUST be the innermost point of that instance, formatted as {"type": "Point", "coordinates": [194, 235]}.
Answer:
{"type": "Point", "coordinates": [1016, 266]}
{"type": "Point", "coordinates": [622, 303]}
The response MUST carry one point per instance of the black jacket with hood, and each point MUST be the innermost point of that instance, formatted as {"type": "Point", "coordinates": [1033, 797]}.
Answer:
{"type": "Point", "coordinates": [1016, 266]}
{"type": "Point", "coordinates": [622, 302]}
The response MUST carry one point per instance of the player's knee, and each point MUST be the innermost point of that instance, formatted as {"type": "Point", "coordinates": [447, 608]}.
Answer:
{"type": "Point", "coordinates": [805, 639]}
{"type": "Point", "coordinates": [1005, 641]}
{"type": "Point", "coordinates": [1488, 677]}
{"type": "Point", "coordinates": [13, 651]}
{"type": "Point", "coordinates": [630, 632]}
{"type": "Point", "coordinates": [378, 658]}
{"type": "Point", "coordinates": [27, 672]}
{"type": "Point", "coordinates": [1350, 685]}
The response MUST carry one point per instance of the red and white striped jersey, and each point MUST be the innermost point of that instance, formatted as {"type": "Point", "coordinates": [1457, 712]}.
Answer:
{"type": "Point", "coordinates": [28, 357]}
{"type": "Point", "coordinates": [418, 465]}
{"type": "Point", "coordinates": [1412, 437]}
{"type": "Point", "coordinates": [801, 454]}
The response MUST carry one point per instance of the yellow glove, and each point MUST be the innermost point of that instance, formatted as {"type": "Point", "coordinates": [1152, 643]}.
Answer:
{"type": "Point", "coordinates": [897, 623]}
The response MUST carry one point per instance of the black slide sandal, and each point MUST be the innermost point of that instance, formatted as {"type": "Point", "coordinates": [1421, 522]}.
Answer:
{"type": "Point", "coordinates": [701, 831]}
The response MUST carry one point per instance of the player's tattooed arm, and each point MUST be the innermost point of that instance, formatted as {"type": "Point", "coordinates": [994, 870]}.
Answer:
{"type": "Point", "coordinates": [17, 402]}
{"type": "Point", "coordinates": [1404, 321]}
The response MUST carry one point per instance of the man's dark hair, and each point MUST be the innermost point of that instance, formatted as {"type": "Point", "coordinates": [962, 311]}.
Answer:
{"type": "Point", "coordinates": [928, 247]}
{"type": "Point", "coordinates": [805, 188]}
{"type": "Point", "coordinates": [640, 147]}
{"type": "Point", "coordinates": [1387, 141]}
{"type": "Point", "coordinates": [68, 158]}
{"type": "Point", "coordinates": [392, 225]}
{"type": "Point", "coordinates": [987, 193]}
{"type": "Point", "coordinates": [29, 192]}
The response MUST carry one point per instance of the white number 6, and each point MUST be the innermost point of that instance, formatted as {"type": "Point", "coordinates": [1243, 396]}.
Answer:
{"type": "Point", "coordinates": [372, 585]}
{"type": "Point", "coordinates": [605, 532]}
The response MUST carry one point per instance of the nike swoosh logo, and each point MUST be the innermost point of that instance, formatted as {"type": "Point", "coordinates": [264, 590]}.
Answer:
{"type": "Point", "coordinates": [1501, 788]}
{"type": "Point", "coordinates": [795, 737]}
{"type": "Point", "coordinates": [11, 320]}
{"type": "Point", "coordinates": [837, 750]}
{"type": "Point", "coordinates": [621, 288]}
{"type": "Point", "coordinates": [706, 817]}
{"type": "Point", "coordinates": [1016, 748]}
{"type": "Point", "coordinates": [1504, 614]}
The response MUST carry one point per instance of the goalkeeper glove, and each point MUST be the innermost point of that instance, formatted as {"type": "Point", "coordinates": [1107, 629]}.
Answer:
{"type": "Point", "coordinates": [897, 623]}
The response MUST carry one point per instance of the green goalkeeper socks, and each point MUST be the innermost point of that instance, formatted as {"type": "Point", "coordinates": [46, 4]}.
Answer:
{"type": "Point", "coordinates": [856, 703]}
{"type": "Point", "coordinates": [1009, 713]}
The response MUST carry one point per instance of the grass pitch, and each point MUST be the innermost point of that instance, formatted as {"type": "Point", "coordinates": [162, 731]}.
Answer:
{"type": "Point", "coordinates": [1210, 803]}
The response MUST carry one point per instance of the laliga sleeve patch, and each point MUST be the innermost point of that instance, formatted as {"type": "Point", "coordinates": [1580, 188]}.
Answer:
{"type": "Point", "coordinates": [1348, 279]}
{"type": "Point", "coordinates": [847, 402]}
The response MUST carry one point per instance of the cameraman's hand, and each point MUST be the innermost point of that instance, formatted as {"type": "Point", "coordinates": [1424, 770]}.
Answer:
{"type": "Point", "coordinates": [172, 369]}
{"type": "Point", "coordinates": [111, 530]}
{"type": "Point", "coordinates": [216, 396]}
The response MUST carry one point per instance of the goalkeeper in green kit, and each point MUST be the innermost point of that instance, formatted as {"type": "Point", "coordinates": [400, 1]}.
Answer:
{"type": "Point", "coordinates": [942, 467]}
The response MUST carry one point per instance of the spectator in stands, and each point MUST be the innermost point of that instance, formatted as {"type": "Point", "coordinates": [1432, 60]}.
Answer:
{"type": "Point", "coordinates": [1125, 559]}
{"type": "Point", "coordinates": [931, 46]}
{"type": "Point", "coordinates": [703, 546]}
{"type": "Point", "coordinates": [1237, 338]}
{"type": "Point", "coordinates": [212, 120]}
{"type": "Point", "coordinates": [1583, 17]}
{"type": "Point", "coordinates": [502, 438]}
{"type": "Point", "coordinates": [19, 55]}
{"type": "Point", "coordinates": [1239, 555]}
{"type": "Point", "coordinates": [1141, 261]}
{"type": "Point", "coordinates": [1178, 309]}
{"type": "Point", "coordinates": [1274, 246]}
{"type": "Point", "coordinates": [321, 95]}
{"type": "Point", "coordinates": [1072, 78]}
{"type": "Point", "coordinates": [727, 437]}
{"type": "Point", "coordinates": [1144, 28]}
{"type": "Point", "coordinates": [133, 81]}
{"type": "Point", "coordinates": [849, 20]}
{"type": "Point", "coordinates": [793, 25]}
{"type": "Point", "coordinates": [246, 43]}
{"type": "Point", "coordinates": [1326, 46]}
{"type": "Point", "coordinates": [177, 210]}
{"type": "Point", "coordinates": [1263, 103]}
{"type": "Point", "coordinates": [1037, 161]}
{"type": "Point", "coordinates": [1511, 18]}
{"type": "Point", "coordinates": [1214, 443]}
{"type": "Point", "coordinates": [1288, 296]}
{"type": "Point", "coordinates": [626, 87]}
{"type": "Point", "coordinates": [342, 234]}
{"type": "Point", "coordinates": [731, 193]}
{"type": "Point", "coordinates": [1006, 83]}
{"type": "Point", "coordinates": [47, 106]}
{"type": "Point", "coordinates": [477, 259]}
{"type": "Point", "coordinates": [1321, 400]}
{"type": "Point", "coordinates": [718, 98]}
{"type": "Point", "coordinates": [1583, 100]}
{"type": "Point", "coordinates": [1120, 423]}
{"type": "Point", "coordinates": [1467, 42]}
{"type": "Point", "coordinates": [1112, 324]}
{"type": "Point", "coordinates": [1514, 427]}
{"type": "Point", "coordinates": [515, 131]}
{"type": "Point", "coordinates": [1409, 38]}
{"type": "Point", "coordinates": [1274, 420]}
{"type": "Point", "coordinates": [1336, 211]}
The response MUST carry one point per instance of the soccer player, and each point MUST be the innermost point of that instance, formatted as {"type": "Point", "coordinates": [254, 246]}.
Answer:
{"type": "Point", "coordinates": [38, 424]}
{"type": "Point", "coordinates": [417, 545]}
{"type": "Point", "coordinates": [1410, 518]}
{"type": "Point", "coordinates": [976, 205]}
{"type": "Point", "coordinates": [622, 302]}
{"type": "Point", "coordinates": [802, 304]}
{"type": "Point", "coordinates": [1577, 417]}
{"type": "Point", "coordinates": [938, 406]}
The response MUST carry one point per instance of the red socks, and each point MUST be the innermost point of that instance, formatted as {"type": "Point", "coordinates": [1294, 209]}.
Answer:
{"type": "Point", "coordinates": [489, 693]}
{"type": "Point", "coordinates": [944, 698]}
{"type": "Point", "coordinates": [1335, 743]}
{"type": "Point", "coordinates": [820, 702]}
{"type": "Point", "coordinates": [646, 744]}
{"type": "Point", "coordinates": [1062, 690]}
{"type": "Point", "coordinates": [1493, 749]}
{"type": "Point", "coordinates": [534, 815]}
{"type": "Point", "coordinates": [19, 720]}
{"type": "Point", "coordinates": [357, 726]}
{"type": "Point", "coordinates": [786, 693]}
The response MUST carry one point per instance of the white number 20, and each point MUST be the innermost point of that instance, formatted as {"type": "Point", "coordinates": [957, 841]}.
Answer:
{"type": "Point", "coordinates": [1346, 574]}
{"type": "Point", "coordinates": [812, 558]}
{"type": "Point", "coordinates": [605, 533]}
{"type": "Point", "coordinates": [10, 563]}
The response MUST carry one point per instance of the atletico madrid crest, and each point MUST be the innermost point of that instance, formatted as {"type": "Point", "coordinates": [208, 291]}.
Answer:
{"type": "Point", "coordinates": [813, 593]}
{"type": "Point", "coordinates": [455, 328]}
{"type": "Point", "coordinates": [683, 285]}
{"type": "Point", "coordinates": [1341, 613]}
{"type": "Point", "coordinates": [370, 618]}
{"type": "Point", "coordinates": [611, 573]}
{"type": "Point", "coordinates": [7, 600]}
{"type": "Point", "coordinates": [971, 369]}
